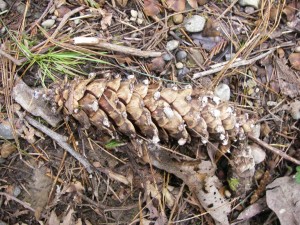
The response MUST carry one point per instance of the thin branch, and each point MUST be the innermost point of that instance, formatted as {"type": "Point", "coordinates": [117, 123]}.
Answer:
{"type": "Point", "coordinates": [93, 41]}
{"type": "Point", "coordinates": [61, 141]}
{"type": "Point", "coordinates": [233, 65]}
{"type": "Point", "coordinates": [274, 150]}
{"type": "Point", "coordinates": [8, 56]}
{"type": "Point", "coordinates": [24, 204]}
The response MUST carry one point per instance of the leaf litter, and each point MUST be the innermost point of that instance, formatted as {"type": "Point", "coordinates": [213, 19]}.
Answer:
{"type": "Point", "coordinates": [114, 178]}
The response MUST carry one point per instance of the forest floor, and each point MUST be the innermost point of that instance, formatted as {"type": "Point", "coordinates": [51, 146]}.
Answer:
{"type": "Point", "coordinates": [57, 169]}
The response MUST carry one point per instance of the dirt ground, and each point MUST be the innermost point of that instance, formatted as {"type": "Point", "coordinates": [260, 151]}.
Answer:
{"type": "Point", "coordinates": [149, 112]}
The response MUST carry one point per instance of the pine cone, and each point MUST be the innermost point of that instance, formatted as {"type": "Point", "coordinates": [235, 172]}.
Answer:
{"type": "Point", "coordinates": [154, 111]}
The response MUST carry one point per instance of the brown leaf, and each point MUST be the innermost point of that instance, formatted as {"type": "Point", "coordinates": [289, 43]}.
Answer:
{"type": "Point", "coordinates": [157, 64]}
{"type": "Point", "coordinates": [193, 3]}
{"type": "Point", "coordinates": [122, 3]}
{"type": "Point", "coordinates": [7, 149]}
{"type": "Point", "coordinates": [288, 81]}
{"type": "Point", "coordinates": [202, 2]}
{"type": "Point", "coordinates": [294, 59]}
{"type": "Point", "coordinates": [176, 5]}
{"type": "Point", "coordinates": [290, 11]}
{"type": "Point", "coordinates": [151, 7]}
{"type": "Point", "coordinates": [283, 198]}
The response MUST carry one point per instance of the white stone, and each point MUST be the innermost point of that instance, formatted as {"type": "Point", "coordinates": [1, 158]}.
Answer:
{"type": "Point", "coordinates": [295, 110]}
{"type": "Point", "coordinates": [223, 92]}
{"type": "Point", "coordinates": [179, 65]}
{"type": "Point", "coordinates": [133, 13]}
{"type": "Point", "coordinates": [172, 45]}
{"type": "Point", "coordinates": [297, 49]}
{"type": "Point", "coordinates": [253, 3]}
{"type": "Point", "coordinates": [258, 154]}
{"type": "Point", "coordinates": [194, 24]}
{"type": "Point", "coordinates": [48, 23]}
{"type": "Point", "coordinates": [3, 5]}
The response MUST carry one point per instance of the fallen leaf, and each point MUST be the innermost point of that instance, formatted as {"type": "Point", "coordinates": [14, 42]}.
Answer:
{"type": "Point", "coordinates": [122, 3]}
{"type": "Point", "coordinates": [157, 64]}
{"type": "Point", "coordinates": [7, 148]}
{"type": "Point", "coordinates": [288, 81]}
{"type": "Point", "coordinates": [283, 197]}
{"type": "Point", "coordinates": [53, 219]}
{"type": "Point", "coordinates": [290, 11]}
{"type": "Point", "coordinates": [151, 7]}
{"type": "Point", "coordinates": [294, 59]}
{"type": "Point", "coordinates": [176, 5]}
{"type": "Point", "coordinates": [193, 3]}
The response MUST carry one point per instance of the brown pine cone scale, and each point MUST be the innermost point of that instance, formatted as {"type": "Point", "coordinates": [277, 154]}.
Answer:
{"type": "Point", "coordinates": [151, 110]}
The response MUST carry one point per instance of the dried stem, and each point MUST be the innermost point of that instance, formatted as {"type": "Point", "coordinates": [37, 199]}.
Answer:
{"type": "Point", "coordinates": [24, 204]}
{"type": "Point", "coordinates": [274, 150]}
{"type": "Point", "coordinates": [113, 47]}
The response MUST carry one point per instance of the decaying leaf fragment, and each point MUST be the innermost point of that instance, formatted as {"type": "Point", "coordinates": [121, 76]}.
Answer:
{"type": "Point", "coordinates": [151, 7]}
{"type": "Point", "coordinates": [283, 197]}
{"type": "Point", "coordinates": [288, 81]}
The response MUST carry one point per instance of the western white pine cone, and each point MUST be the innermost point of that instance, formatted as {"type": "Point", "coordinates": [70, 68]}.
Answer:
{"type": "Point", "coordinates": [152, 110]}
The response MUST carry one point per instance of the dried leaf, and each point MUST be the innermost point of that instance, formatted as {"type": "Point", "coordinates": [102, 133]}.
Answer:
{"type": "Point", "coordinates": [33, 102]}
{"type": "Point", "coordinates": [294, 59]}
{"type": "Point", "coordinates": [290, 11]}
{"type": "Point", "coordinates": [7, 149]}
{"type": "Point", "coordinates": [151, 7]}
{"type": "Point", "coordinates": [69, 218]}
{"type": "Point", "coordinates": [157, 64]}
{"type": "Point", "coordinates": [193, 3]}
{"type": "Point", "coordinates": [253, 210]}
{"type": "Point", "coordinates": [176, 5]}
{"type": "Point", "coordinates": [288, 81]}
{"type": "Point", "coordinates": [283, 197]}
{"type": "Point", "coordinates": [122, 3]}
{"type": "Point", "coordinates": [53, 219]}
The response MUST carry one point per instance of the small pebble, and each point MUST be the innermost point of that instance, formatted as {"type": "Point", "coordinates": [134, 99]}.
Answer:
{"type": "Point", "coordinates": [140, 15]}
{"type": "Point", "coordinates": [297, 49]}
{"type": "Point", "coordinates": [21, 8]}
{"type": "Point", "coordinates": [229, 56]}
{"type": "Point", "coordinates": [178, 18]}
{"type": "Point", "coordinates": [17, 191]}
{"type": "Point", "coordinates": [194, 24]}
{"type": "Point", "coordinates": [179, 65]}
{"type": "Point", "coordinates": [256, 131]}
{"type": "Point", "coordinates": [227, 193]}
{"type": "Point", "coordinates": [172, 45]}
{"type": "Point", "coordinates": [133, 13]}
{"type": "Point", "coordinates": [139, 21]}
{"type": "Point", "coordinates": [54, 17]}
{"type": "Point", "coordinates": [3, 223]}
{"type": "Point", "coordinates": [3, 5]}
{"type": "Point", "coordinates": [253, 3]}
{"type": "Point", "coordinates": [258, 154]}
{"type": "Point", "coordinates": [182, 73]}
{"type": "Point", "coordinates": [48, 23]}
{"type": "Point", "coordinates": [295, 110]}
{"type": "Point", "coordinates": [223, 92]}
{"type": "Point", "coordinates": [167, 57]}
{"type": "Point", "coordinates": [271, 103]}
{"type": "Point", "coordinates": [249, 10]}
{"type": "Point", "coordinates": [6, 131]}
{"type": "Point", "coordinates": [181, 55]}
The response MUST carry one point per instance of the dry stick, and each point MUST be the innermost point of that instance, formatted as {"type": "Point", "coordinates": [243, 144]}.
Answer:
{"type": "Point", "coordinates": [62, 143]}
{"type": "Point", "coordinates": [41, 17]}
{"type": "Point", "coordinates": [93, 41]}
{"type": "Point", "coordinates": [24, 204]}
{"type": "Point", "coordinates": [274, 150]}
{"type": "Point", "coordinates": [8, 56]}
{"type": "Point", "coordinates": [233, 65]}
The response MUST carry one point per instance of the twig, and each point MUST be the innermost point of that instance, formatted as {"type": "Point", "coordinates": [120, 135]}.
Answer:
{"type": "Point", "coordinates": [41, 17]}
{"type": "Point", "coordinates": [274, 150]}
{"type": "Point", "coordinates": [233, 65]}
{"type": "Point", "coordinates": [93, 41]}
{"type": "Point", "coordinates": [24, 204]}
{"type": "Point", "coordinates": [8, 56]}
{"type": "Point", "coordinates": [61, 141]}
